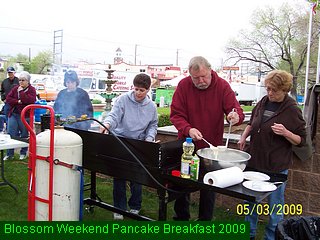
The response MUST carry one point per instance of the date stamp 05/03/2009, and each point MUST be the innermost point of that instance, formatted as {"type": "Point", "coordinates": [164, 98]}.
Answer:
{"type": "Point", "coordinates": [266, 209]}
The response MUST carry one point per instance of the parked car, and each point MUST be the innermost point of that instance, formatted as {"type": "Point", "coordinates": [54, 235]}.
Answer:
{"type": "Point", "coordinates": [46, 93]}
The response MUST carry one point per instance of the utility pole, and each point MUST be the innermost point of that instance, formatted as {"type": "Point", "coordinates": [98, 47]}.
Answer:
{"type": "Point", "coordinates": [57, 46]}
{"type": "Point", "coordinates": [29, 55]}
{"type": "Point", "coordinates": [308, 57]}
{"type": "Point", "coordinates": [135, 54]}
{"type": "Point", "coordinates": [177, 57]}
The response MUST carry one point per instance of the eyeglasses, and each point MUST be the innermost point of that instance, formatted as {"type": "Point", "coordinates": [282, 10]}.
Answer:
{"type": "Point", "coordinates": [22, 80]}
{"type": "Point", "coordinates": [269, 89]}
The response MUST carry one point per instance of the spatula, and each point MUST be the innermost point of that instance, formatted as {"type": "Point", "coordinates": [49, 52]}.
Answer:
{"type": "Point", "coordinates": [210, 145]}
{"type": "Point", "coordinates": [230, 124]}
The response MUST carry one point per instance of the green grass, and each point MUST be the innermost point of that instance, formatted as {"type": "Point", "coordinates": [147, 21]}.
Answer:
{"type": "Point", "coordinates": [14, 207]}
{"type": "Point", "coordinates": [247, 108]}
{"type": "Point", "coordinates": [163, 110]}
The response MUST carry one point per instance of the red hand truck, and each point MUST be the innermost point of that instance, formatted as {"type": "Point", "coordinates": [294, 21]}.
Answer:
{"type": "Point", "coordinates": [28, 111]}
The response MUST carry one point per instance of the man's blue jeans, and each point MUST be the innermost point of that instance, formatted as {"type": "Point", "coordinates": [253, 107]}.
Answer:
{"type": "Point", "coordinates": [276, 198]}
{"type": "Point", "coordinates": [17, 129]}
{"type": "Point", "coordinates": [6, 109]}
{"type": "Point", "coordinates": [3, 120]}
{"type": "Point", "coordinates": [120, 196]}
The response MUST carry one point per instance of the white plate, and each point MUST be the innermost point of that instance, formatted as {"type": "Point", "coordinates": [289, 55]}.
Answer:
{"type": "Point", "coordinates": [255, 176]}
{"type": "Point", "coordinates": [259, 186]}
{"type": "Point", "coordinates": [3, 141]}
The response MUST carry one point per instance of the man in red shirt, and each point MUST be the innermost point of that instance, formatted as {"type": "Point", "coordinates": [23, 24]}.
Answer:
{"type": "Point", "coordinates": [199, 106]}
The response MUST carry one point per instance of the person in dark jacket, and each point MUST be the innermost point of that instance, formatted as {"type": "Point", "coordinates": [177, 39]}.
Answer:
{"type": "Point", "coordinates": [73, 102]}
{"type": "Point", "coordinates": [276, 125]}
{"type": "Point", "coordinates": [199, 106]}
{"type": "Point", "coordinates": [18, 98]}
{"type": "Point", "coordinates": [6, 86]}
{"type": "Point", "coordinates": [3, 120]}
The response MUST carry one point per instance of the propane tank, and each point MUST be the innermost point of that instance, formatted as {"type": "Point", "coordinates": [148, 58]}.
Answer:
{"type": "Point", "coordinates": [66, 181]}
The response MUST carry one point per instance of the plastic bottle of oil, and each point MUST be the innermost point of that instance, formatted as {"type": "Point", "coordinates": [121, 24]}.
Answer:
{"type": "Point", "coordinates": [186, 159]}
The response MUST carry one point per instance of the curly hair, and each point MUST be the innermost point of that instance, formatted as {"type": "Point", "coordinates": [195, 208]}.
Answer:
{"type": "Point", "coordinates": [25, 75]}
{"type": "Point", "coordinates": [279, 79]}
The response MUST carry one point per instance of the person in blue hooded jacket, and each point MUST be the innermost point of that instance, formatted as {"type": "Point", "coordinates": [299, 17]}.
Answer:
{"type": "Point", "coordinates": [73, 101]}
{"type": "Point", "coordinates": [134, 116]}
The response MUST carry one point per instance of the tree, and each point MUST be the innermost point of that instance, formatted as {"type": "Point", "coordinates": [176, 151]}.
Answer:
{"type": "Point", "coordinates": [278, 39]}
{"type": "Point", "coordinates": [40, 63]}
{"type": "Point", "coordinates": [23, 60]}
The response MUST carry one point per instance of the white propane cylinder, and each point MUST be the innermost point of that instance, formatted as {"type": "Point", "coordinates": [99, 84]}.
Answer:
{"type": "Point", "coordinates": [66, 181]}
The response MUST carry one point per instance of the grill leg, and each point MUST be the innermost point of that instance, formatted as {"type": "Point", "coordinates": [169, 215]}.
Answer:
{"type": "Point", "coordinates": [93, 192]}
{"type": "Point", "coordinates": [162, 214]}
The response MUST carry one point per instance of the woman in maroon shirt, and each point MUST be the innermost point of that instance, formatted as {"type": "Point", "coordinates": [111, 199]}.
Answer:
{"type": "Point", "coordinates": [18, 98]}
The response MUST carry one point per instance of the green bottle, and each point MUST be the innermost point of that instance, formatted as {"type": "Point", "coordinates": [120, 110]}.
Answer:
{"type": "Point", "coordinates": [194, 168]}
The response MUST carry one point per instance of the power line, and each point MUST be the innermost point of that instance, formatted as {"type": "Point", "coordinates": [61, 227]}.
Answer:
{"type": "Point", "coordinates": [183, 53]}
{"type": "Point", "coordinates": [96, 40]}
{"type": "Point", "coordinates": [87, 50]}
{"type": "Point", "coordinates": [26, 44]}
{"type": "Point", "coordinates": [25, 29]}
{"type": "Point", "coordinates": [89, 38]}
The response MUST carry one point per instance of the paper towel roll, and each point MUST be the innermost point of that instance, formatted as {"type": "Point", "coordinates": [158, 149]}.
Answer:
{"type": "Point", "coordinates": [224, 177]}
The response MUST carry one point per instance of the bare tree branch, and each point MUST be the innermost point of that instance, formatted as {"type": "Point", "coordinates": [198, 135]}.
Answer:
{"type": "Point", "coordinates": [277, 40]}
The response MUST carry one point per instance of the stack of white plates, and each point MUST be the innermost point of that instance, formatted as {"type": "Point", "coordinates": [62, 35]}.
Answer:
{"type": "Point", "coordinates": [257, 181]}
